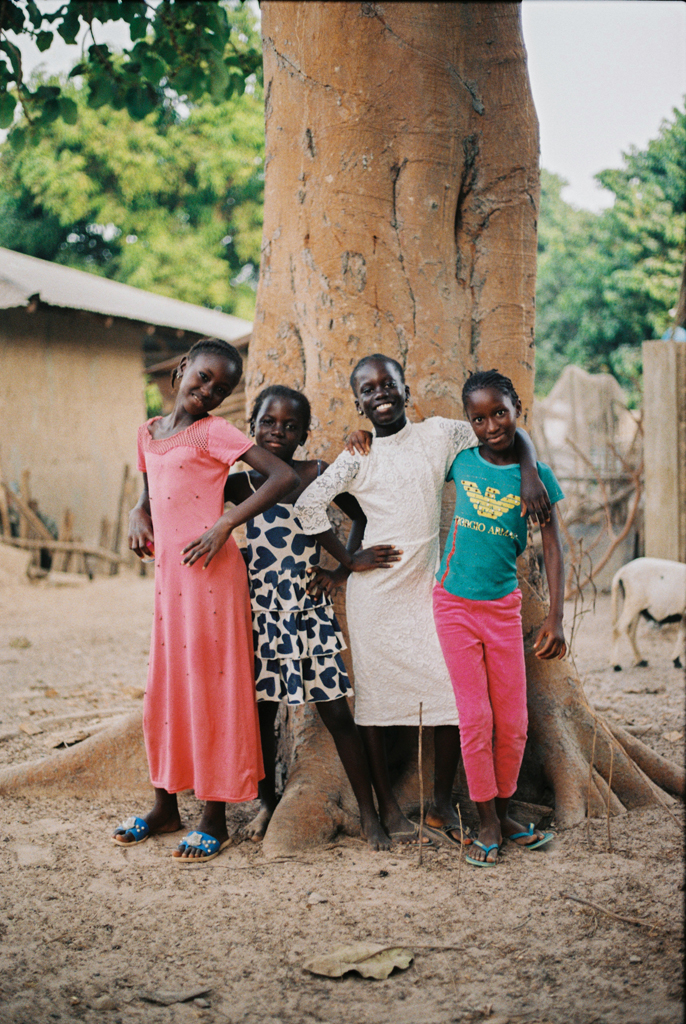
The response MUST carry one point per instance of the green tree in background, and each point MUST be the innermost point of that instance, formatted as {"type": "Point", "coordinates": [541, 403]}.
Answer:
{"type": "Point", "coordinates": [191, 48]}
{"type": "Point", "coordinates": [607, 282]}
{"type": "Point", "coordinates": [169, 204]}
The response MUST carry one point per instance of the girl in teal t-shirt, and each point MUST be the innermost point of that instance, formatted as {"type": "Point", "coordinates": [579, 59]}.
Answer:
{"type": "Point", "coordinates": [477, 610]}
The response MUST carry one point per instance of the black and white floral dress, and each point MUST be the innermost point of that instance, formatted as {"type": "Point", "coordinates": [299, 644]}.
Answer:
{"type": "Point", "coordinates": [298, 641]}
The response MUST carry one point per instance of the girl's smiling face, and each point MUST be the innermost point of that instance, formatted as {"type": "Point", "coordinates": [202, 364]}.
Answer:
{"type": "Point", "coordinates": [279, 427]}
{"type": "Point", "coordinates": [493, 417]}
{"type": "Point", "coordinates": [381, 394]}
{"type": "Point", "coordinates": [205, 382]}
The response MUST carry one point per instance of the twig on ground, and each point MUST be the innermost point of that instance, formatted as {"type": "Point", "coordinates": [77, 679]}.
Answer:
{"type": "Point", "coordinates": [518, 926]}
{"type": "Point", "coordinates": [461, 853]}
{"type": "Point", "coordinates": [617, 917]}
{"type": "Point", "coordinates": [421, 788]}
{"type": "Point", "coordinates": [590, 780]}
{"type": "Point", "coordinates": [609, 795]}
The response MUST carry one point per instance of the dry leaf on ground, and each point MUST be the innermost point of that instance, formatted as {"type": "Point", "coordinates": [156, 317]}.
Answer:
{"type": "Point", "coordinates": [367, 958]}
{"type": "Point", "coordinates": [66, 739]}
{"type": "Point", "coordinates": [20, 643]}
{"type": "Point", "coordinates": [169, 998]}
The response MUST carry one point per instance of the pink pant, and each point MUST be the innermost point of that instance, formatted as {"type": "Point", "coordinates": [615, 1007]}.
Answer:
{"type": "Point", "coordinates": [484, 651]}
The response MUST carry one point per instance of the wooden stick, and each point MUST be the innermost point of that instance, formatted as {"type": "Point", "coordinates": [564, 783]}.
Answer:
{"type": "Point", "coordinates": [61, 562]}
{"type": "Point", "coordinates": [5, 514]}
{"type": "Point", "coordinates": [590, 780]}
{"type": "Point", "coordinates": [74, 547]}
{"type": "Point", "coordinates": [609, 794]}
{"type": "Point", "coordinates": [28, 513]}
{"type": "Point", "coordinates": [617, 917]}
{"type": "Point", "coordinates": [116, 541]}
{"type": "Point", "coordinates": [25, 491]}
{"type": "Point", "coordinates": [462, 853]}
{"type": "Point", "coordinates": [421, 788]}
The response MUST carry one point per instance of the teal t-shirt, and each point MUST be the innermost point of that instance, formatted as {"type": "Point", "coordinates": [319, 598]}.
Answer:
{"type": "Point", "coordinates": [488, 532]}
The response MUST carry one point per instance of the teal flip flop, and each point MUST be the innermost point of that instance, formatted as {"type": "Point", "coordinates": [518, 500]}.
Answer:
{"type": "Point", "coordinates": [545, 838]}
{"type": "Point", "coordinates": [487, 850]}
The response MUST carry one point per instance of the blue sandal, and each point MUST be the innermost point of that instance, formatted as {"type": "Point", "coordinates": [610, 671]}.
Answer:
{"type": "Point", "coordinates": [487, 850]}
{"type": "Point", "coordinates": [133, 826]}
{"type": "Point", "coordinates": [545, 838]}
{"type": "Point", "coordinates": [210, 846]}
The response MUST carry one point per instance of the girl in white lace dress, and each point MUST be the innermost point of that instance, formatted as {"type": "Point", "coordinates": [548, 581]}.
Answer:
{"type": "Point", "coordinates": [396, 654]}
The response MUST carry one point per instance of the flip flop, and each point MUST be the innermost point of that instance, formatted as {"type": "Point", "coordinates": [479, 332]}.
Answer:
{"type": "Point", "coordinates": [199, 840]}
{"type": "Point", "coordinates": [412, 838]}
{"type": "Point", "coordinates": [487, 850]}
{"type": "Point", "coordinates": [136, 827]}
{"type": "Point", "coordinates": [444, 834]}
{"type": "Point", "coordinates": [545, 838]}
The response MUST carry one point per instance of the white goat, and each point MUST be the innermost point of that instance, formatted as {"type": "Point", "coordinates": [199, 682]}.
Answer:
{"type": "Point", "coordinates": [656, 589]}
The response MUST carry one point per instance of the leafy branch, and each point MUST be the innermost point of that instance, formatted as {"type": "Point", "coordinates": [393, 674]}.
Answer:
{"type": "Point", "coordinates": [189, 48]}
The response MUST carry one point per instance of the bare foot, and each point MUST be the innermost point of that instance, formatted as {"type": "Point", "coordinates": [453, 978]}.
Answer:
{"type": "Point", "coordinates": [256, 829]}
{"type": "Point", "coordinates": [447, 821]}
{"type": "Point", "coordinates": [489, 835]}
{"type": "Point", "coordinates": [374, 833]}
{"type": "Point", "coordinates": [401, 830]}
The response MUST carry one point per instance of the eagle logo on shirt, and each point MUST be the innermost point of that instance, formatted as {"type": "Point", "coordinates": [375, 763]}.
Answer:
{"type": "Point", "coordinates": [489, 505]}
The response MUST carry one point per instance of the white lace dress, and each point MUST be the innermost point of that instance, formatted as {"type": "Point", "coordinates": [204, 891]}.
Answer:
{"type": "Point", "coordinates": [396, 654]}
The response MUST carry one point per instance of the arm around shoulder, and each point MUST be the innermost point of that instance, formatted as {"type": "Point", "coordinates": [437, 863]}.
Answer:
{"type": "Point", "coordinates": [550, 640]}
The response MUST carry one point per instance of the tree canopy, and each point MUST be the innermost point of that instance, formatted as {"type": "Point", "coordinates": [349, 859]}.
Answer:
{"type": "Point", "coordinates": [189, 47]}
{"type": "Point", "coordinates": [609, 281]}
{"type": "Point", "coordinates": [171, 202]}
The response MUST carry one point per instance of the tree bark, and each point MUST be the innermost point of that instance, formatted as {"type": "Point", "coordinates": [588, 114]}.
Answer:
{"type": "Point", "coordinates": [401, 200]}
{"type": "Point", "coordinates": [400, 214]}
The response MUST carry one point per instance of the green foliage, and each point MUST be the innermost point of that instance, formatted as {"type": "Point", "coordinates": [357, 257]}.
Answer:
{"type": "Point", "coordinates": [153, 400]}
{"type": "Point", "coordinates": [170, 203]}
{"type": "Point", "coordinates": [607, 282]}
{"type": "Point", "coordinates": [190, 48]}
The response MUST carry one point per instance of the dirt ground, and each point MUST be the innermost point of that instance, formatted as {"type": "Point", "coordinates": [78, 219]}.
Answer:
{"type": "Point", "coordinates": [90, 932]}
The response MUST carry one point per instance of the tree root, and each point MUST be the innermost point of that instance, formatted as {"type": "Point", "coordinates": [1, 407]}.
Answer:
{"type": "Point", "coordinates": [666, 774]}
{"type": "Point", "coordinates": [109, 764]}
{"type": "Point", "coordinates": [317, 803]}
{"type": "Point", "coordinates": [561, 746]}
{"type": "Point", "coordinates": [562, 764]}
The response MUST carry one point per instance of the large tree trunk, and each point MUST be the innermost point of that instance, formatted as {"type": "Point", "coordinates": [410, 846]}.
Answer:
{"type": "Point", "coordinates": [400, 214]}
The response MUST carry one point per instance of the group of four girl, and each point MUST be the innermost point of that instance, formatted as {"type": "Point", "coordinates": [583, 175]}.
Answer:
{"type": "Point", "coordinates": [452, 642]}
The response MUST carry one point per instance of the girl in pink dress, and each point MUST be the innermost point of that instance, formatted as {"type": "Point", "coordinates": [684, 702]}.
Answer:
{"type": "Point", "coordinates": [200, 718]}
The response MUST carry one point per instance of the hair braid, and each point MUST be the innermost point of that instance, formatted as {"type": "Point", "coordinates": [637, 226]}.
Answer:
{"type": "Point", "coordinates": [483, 379]}
{"type": "Point", "coordinates": [218, 346]}
{"type": "Point", "coordinates": [378, 357]}
{"type": "Point", "coordinates": [281, 391]}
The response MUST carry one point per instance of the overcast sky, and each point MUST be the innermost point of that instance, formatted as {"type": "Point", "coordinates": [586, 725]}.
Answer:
{"type": "Point", "coordinates": [604, 73]}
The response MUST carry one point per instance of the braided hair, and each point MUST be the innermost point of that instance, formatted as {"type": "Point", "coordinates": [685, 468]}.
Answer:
{"type": "Point", "coordinates": [281, 391]}
{"type": "Point", "coordinates": [481, 380]}
{"type": "Point", "coordinates": [217, 346]}
{"type": "Point", "coordinates": [378, 357]}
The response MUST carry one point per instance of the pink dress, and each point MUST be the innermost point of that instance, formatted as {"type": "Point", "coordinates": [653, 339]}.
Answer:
{"type": "Point", "coordinates": [200, 716]}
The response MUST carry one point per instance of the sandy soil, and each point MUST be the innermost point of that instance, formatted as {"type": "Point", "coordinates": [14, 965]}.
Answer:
{"type": "Point", "coordinates": [89, 932]}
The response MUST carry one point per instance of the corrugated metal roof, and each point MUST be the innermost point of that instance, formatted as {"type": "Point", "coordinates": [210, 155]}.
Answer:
{"type": "Point", "coordinates": [24, 277]}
